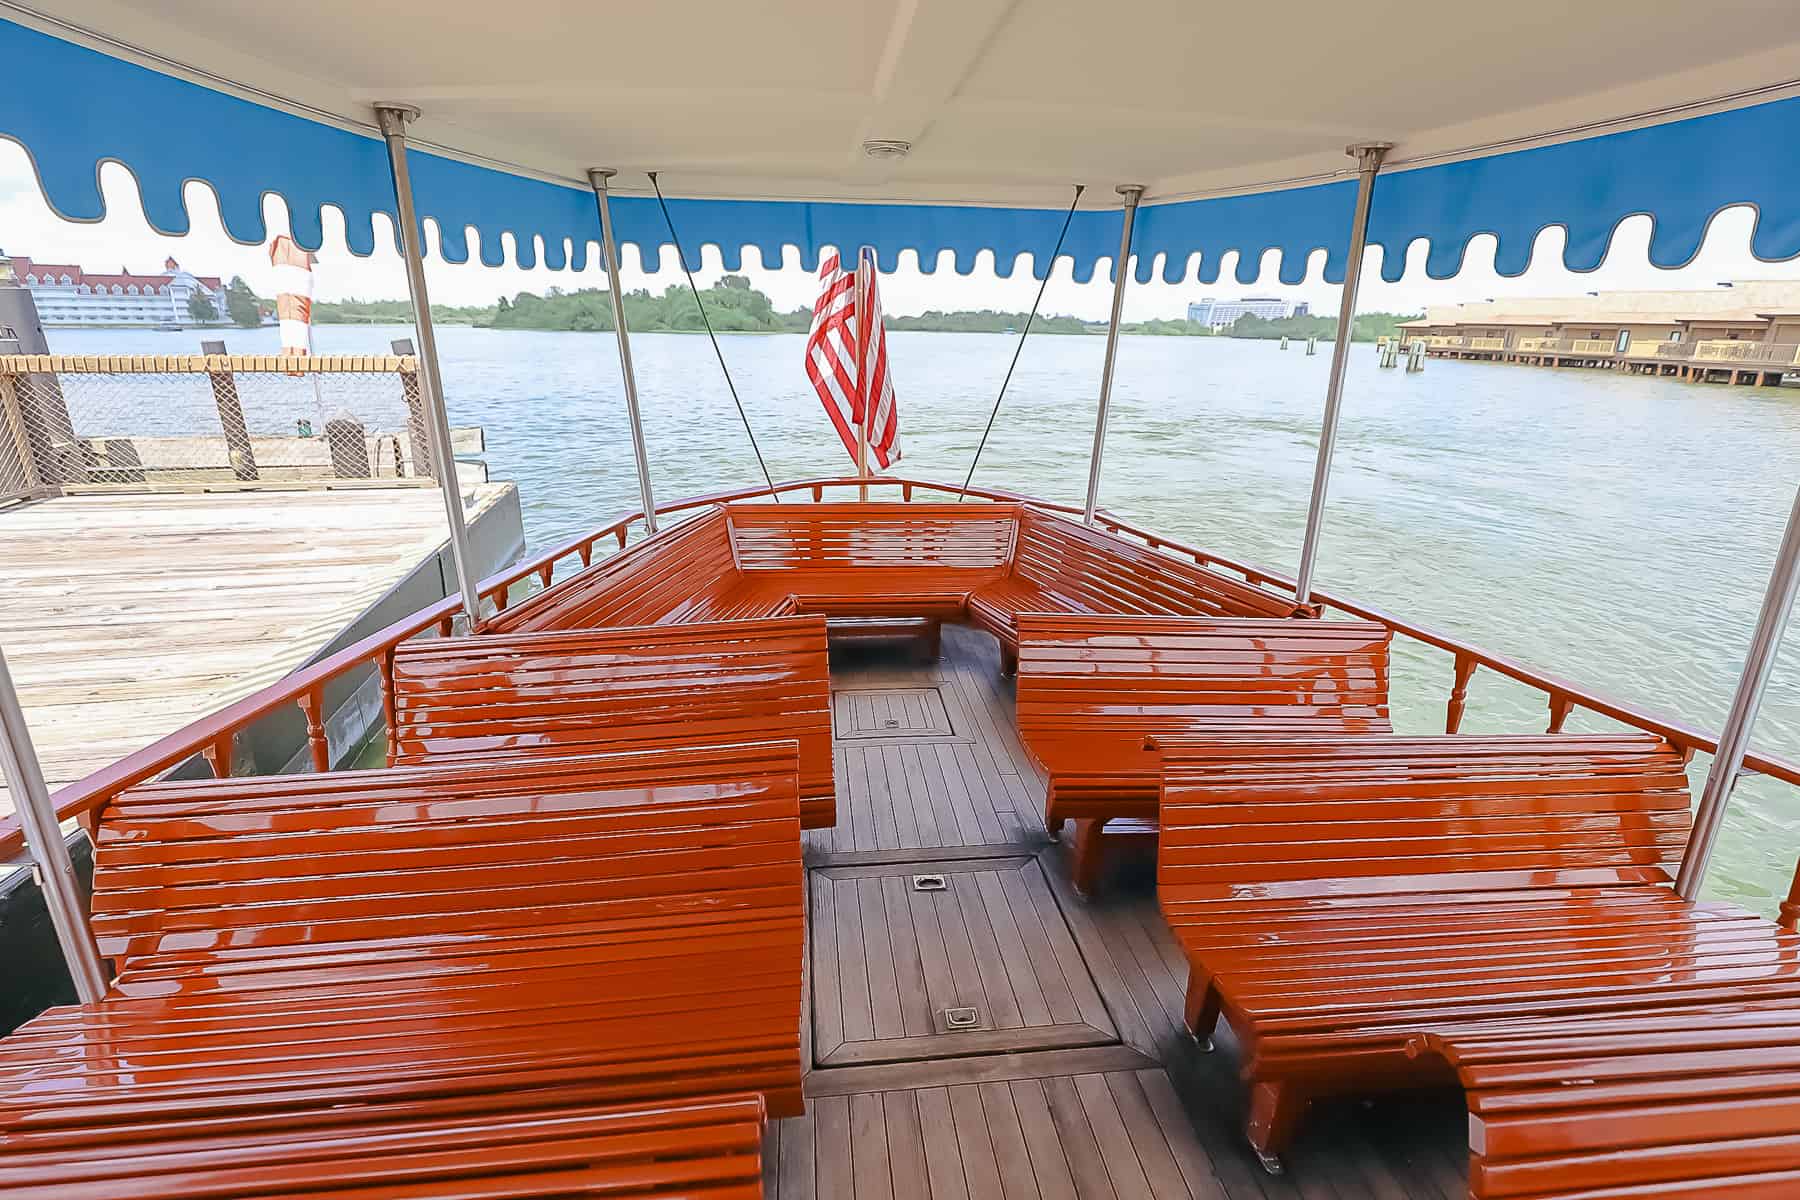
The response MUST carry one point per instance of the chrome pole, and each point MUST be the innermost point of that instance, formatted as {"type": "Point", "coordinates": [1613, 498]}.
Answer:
{"type": "Point", "coordinates": [1133, 192]}
{"type": "Point", "coordinates": [55, 870]}
{"type": "Point", "coordinates": [609, 250]}
{"type": "Point", "coordinates": [1734, 739]}
{"type": "Point", "coordinates": [393, 119]}
{"type": "Point", "coordinates": [1368, 162]}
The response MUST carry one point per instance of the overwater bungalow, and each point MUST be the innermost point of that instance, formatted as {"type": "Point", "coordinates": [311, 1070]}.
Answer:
{"type": "Point", "coordinates": [874, 836]}
{"type": "Point", "coordinates": [1742, 335]}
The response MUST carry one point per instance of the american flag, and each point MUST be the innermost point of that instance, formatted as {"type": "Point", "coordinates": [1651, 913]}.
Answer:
{"type": "Point", "coordinates": [846, 359]}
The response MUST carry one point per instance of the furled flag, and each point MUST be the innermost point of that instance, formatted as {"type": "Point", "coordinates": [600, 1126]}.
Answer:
{"type": "Point", "coordinates": [846, 359]}
{"type": "Point", "coordinates": [293, 295]}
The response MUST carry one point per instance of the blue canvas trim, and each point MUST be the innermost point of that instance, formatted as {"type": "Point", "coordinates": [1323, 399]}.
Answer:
{"type": "Point", "coordinates": [168, 132]}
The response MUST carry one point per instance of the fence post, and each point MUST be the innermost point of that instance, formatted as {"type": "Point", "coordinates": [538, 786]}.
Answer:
{"type": "Point", "coordinates": [415, 412]}
{"type": "Point", "coordinates": [231, 413]}
{"type": "Point", "coordinates": [31, 479]}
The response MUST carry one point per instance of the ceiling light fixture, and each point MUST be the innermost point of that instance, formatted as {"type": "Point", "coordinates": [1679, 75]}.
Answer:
{"type": "Point", "coordinates": [885, 148]}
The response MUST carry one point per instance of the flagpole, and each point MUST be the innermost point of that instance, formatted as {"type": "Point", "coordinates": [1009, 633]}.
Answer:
{"type": "Point", "coordinates": [864, 269]}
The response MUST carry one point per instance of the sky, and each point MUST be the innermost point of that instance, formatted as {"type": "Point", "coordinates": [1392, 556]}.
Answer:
{"type": "Point", "coordinates": [123, 239]}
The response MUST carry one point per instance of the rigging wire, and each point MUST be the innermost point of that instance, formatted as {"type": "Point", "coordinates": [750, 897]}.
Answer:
{"type": "Point", "coordinates": [1023, 334]}
{"type": "Point", "coordinates": [681, 257]}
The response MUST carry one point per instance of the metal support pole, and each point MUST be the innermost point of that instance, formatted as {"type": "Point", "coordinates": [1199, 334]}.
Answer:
{"type": "Point", "coordinates": [1368, 162]}
{"type": "Point", "coordinates": [55, 871]}
{"type": "Point", "coordinates": [393, 119]}
{"type": "Point", "coordinates": [1734, 739]}
{"type": "Point", "coordinates": [1133, 192]}
{"type": "Point", "coordinates": [609, 250]}
{"type": "Point", "coordinates": [865, 274]}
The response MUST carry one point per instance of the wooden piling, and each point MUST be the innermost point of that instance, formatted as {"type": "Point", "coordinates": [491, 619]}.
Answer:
{"type": "Point", "coordinates": [231, 414]}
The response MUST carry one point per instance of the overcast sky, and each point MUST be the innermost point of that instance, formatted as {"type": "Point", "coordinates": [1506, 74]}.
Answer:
{"type": "Point", "coordinates": [123, 239]}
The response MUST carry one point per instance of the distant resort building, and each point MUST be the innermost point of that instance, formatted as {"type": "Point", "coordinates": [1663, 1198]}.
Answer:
{"type": "Point", "coordinates": [67, 295]}
{"type": "Point", "coordinates": [1220, 314]}
{"type": "Point", "coordinates": [1746, 331]}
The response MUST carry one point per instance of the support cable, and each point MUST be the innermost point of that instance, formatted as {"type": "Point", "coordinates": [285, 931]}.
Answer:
{"type": "Point", "coordinates": [1018, 349]}
{"type": "Point", "coordinates": [681, 257]}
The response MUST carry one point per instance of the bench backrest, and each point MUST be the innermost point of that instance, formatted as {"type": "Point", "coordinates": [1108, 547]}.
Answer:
{"type": "Point", "coordinates": [1113, 677]}
{"type": "Point", "coordinates": [652, 582]}
{"type": "Point", "coordinates": [1342, 817]}
{"type": "Point", "coordinates": [976, 538]}
{"type": "Point", "coordinates": [1093, 571]}
{"type": "Point", "coordinates": [616, 689]}
{"type": "Point", "coordinates": [245, 868]}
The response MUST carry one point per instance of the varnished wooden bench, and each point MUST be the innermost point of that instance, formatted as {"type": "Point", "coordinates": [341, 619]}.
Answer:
{"type": "Point", "coordinates": [672, 1151]}
{"type": "Point", "coordinates": [618, 689]}
{"type": "Point", "coordinates": [1694, 1101]}
{"type": "Point", "coordinates": [1059, 566]}
{"type": "Point", "coordinates": [874, 559]}
{"type": "Point", "coordinates": [1091, 689]}
{"type": "Point", "coordinates": [684, 573]}
{"type": "Point", "coordinates": [1337, 898]}
{"type": "Point", "coordinates": [470, 937]}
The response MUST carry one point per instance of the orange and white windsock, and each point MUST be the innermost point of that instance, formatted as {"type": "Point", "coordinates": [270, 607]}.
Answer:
{"type": "Point", "coordinates": [293, 294]}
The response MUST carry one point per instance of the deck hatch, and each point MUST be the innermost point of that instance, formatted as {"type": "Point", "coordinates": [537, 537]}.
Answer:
{"type": "Point", "coordinates": [902, 712]}
{"type": "Point", "coordinates": [981, 964]}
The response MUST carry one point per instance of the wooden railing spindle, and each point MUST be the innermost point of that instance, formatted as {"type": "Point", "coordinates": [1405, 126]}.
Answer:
{"type": "Point", "coordinates": [1560, 708]}
{"type": "Point", "coordinates": [312, 703]}
{"type": "Point", "coordinates": [1459, 692]}
{"type": "Point", "coordinates": [218, 754]}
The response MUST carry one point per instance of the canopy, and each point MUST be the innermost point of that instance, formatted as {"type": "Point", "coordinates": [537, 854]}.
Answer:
{"type": "Point", "coordinates": [1235, 120]}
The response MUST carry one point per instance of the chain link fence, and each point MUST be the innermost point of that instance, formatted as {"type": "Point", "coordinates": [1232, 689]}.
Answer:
{"type": "Point", "coordinates": [79, 423]}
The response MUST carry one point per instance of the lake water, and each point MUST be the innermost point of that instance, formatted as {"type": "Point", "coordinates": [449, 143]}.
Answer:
{"type": "Point", "coordinates": [1614, 530]}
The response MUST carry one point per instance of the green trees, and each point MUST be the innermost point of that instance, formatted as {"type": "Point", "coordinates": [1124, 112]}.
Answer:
{"type": "Point", "coordinates": [201, 309]}
{"type": "Point", "coordinates": [242, 304]}
{"type": "Point", "coordinates": [1367, 328]}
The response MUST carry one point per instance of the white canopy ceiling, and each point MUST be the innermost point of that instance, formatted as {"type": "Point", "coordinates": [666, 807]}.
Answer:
{"type": "Point", "coordinates": [1005, 101]}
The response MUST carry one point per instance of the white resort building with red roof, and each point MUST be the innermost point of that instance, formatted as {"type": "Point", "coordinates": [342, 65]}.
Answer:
{"type": "Point", "coordinates": [67, 295]}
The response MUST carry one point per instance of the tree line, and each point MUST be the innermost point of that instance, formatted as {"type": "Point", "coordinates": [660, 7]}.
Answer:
{"type": "Point", "coordinates": [733, 306]}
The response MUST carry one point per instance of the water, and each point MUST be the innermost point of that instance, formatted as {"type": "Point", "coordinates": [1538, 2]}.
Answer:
{"type": "Point", "coordinates": [1616, 531]}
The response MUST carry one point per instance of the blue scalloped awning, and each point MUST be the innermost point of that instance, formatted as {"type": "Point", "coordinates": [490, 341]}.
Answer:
{"type": "Point", "coordinates": [168, 131]}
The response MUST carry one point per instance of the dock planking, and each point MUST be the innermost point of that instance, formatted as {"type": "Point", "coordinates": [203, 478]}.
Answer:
{"type": "Point", "coordinates": [1080, 1081]}
{"type": "Point", "coordinates": [126, 616]}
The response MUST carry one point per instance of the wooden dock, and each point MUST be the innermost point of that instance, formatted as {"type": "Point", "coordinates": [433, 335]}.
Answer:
{"type": "Point", "coordinates": [126, 616]}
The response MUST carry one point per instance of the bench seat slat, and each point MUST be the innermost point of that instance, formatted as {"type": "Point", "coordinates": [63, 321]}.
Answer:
{"type": "Point", "coordinates": [663, 1151]}
{"type": "Point", "coordinates": [1665, 1100]}
{"type": "Point", "coordinates": [531, 695]}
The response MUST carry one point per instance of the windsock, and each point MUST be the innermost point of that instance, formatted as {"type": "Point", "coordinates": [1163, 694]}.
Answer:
{"type": "Point", "coordinates": [293, 295]}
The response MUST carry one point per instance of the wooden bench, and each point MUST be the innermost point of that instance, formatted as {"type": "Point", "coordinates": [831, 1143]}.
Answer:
{"type": "Point", "coordinates": [482, 935]}
{"type": "Point", "coordinates": [684, 573]}
{"type": "Point", "coordinates": [1060, 566]}
{"type": "Point", "coordinates": [671, 1150]}
{"type": "Point", "coordinates": [1091, 689]}
{"type": "Point", "coordinates": [618, 689]}
{"type": "Point", "coordinates": [1693, 1101]}
{"type": "Point", "coordinates": [874, 559]}
{"type": "Point", "coordinates": [1336, 898]}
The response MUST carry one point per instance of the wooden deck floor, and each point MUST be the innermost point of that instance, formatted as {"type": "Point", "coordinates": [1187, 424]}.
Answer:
{"type": "Point", "coordinates": [939, 892]}
{"type": "Point", "coordinates": [124, 617]}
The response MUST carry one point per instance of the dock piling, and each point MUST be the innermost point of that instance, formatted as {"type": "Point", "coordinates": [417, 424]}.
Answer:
{"type": "Point", "coordinates": [231, 414]}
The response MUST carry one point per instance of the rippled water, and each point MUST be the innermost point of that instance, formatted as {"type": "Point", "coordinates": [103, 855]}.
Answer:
{"type": "Point", "coordinates": [1616, 531]}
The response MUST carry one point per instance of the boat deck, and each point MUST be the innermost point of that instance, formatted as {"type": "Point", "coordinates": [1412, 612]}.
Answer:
{"type": "Point", "coordinates": [939, 890]}
{"type": "Point", "coordinates": [126, 616]}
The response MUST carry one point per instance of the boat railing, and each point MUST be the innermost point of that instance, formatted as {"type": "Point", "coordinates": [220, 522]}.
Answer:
{"type": "Point", "coordinates": [213, 736]}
